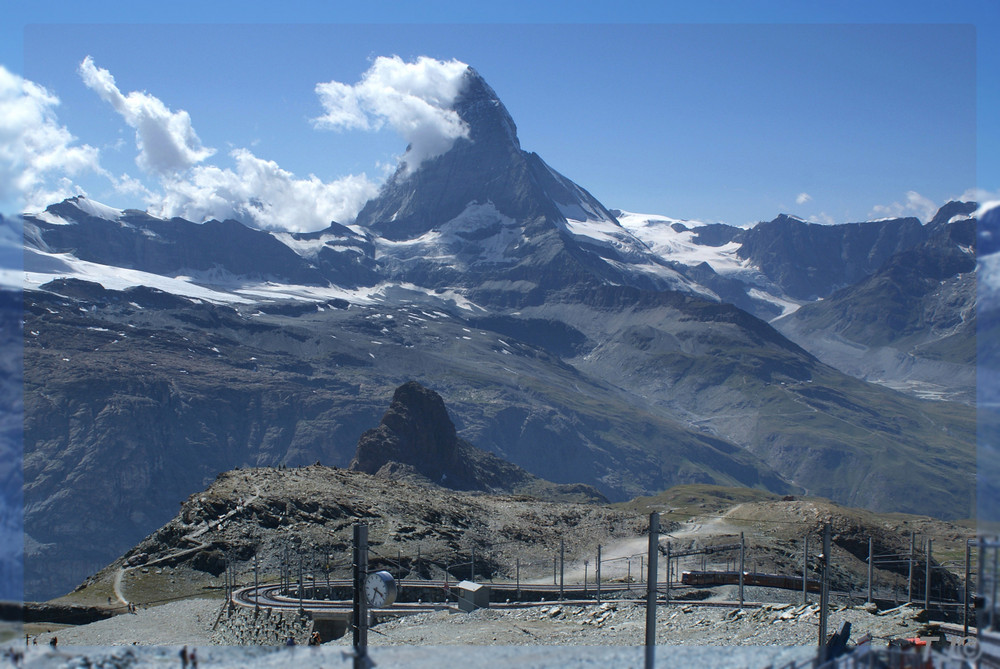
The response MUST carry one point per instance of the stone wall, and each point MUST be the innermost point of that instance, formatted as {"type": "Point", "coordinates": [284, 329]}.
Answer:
{"type": "Point", "coordinates": [240, 626]}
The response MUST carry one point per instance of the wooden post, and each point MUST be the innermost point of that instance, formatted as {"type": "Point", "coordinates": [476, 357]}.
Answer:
{"type": "Point", "coordinates": [965, 603]}
{"type": "Point", "coordinates": [871, 566]}
{"type": "Point", "coordinates": [824, 596]}
{"type": "Point", "coordinates": [741, 569]}
{"type": "Point", "coordinates": [805, 572]}
{"type": "Point", "coordinates": [668, 574]}
{"type": "Point", "coordinates": [909, 577]}
{"type": "Point", "coordinates": [598, 568]}
{"type": "Point", "coordinates": [562, 568]}
{"type": "Point", "coordinates": [927, 578]}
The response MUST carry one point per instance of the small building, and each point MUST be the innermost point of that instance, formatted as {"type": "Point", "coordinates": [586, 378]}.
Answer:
{"type": "Point", "coordinates": [472, 596]}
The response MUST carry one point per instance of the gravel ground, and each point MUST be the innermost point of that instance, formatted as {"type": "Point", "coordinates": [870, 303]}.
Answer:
{"type": "Point", "coordinates": [556, 635]}
{"type": "Point", "coordinates": [182, 622]}
{"type": "Point", "coordinates": [424, 657]}
{"type": "Point", "coordinates": [624, 624]}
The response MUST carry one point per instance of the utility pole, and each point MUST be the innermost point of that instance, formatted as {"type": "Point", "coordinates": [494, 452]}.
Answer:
{"type": "Point", "coordinates": [805, 572]}
{"type": "Point", "coordinates": [909, 577]}
{"type": "Point", "coordinates": [741, 569]}
{"type": "Point", "coordinates": [927, 577]}
{"type": "Point", "coordinates": [288, 571]}
{"type": "Point", "coordinates": [965, 603]}
{"type": "Point", "coordinates": [555, 567]}
{"type": "Point", "coordinates": [472, 577]}
{"type": "Point", "coordinates": [654, 543]}
{"type": "Point", "coordinates": [824, 595]}
{"type": "Point", "coordinates": [653, 574]}
{"type": "Point", "coordinates": [586, 563]}
{"type": "Point", "coordinates": [360, 602]}
{"type": "Point", "coordinates": [562, 568]}
{"type": "Point", "coordinates": [518, 571]}
{"type": "Point", "coordinates": [598, 568]}
{"type": "Point", "coordinates": [300, 581]}
{"type": "Point", "coordinates": [871, 566]}
{"type": "Point", "coordinates": [256, 586]}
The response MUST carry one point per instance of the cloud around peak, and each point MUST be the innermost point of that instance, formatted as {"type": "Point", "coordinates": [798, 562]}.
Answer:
{"type": "Point", "coordinates": [255, 191]}
{"type": "Point", "coordinates": [166, 139]}
{"type": "Point", "coordinates": [916, 205]}
{"type": "Point", "coordinates": [261, 193]}
{"type": "Point", "coordinates": [416, 99]}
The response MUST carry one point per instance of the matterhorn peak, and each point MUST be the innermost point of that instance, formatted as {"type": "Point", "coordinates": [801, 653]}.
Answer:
{"type": "Point", "coordinates": [481, 109]}
{"type": "Point", "coordinates": [486, 166]}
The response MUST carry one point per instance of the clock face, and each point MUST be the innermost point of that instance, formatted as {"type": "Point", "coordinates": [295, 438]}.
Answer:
{"type": "Point", "coordinates": [380, 589]}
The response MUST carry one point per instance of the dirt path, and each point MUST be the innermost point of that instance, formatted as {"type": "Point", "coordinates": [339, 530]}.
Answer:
{"type": "Point", "coordinates": [627, 557]}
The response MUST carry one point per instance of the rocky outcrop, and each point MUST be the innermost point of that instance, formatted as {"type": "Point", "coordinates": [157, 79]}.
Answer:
{"type": "Point", "coordinates": [417, 431]}
{"type": "Point", "coordinates": [416, 441]}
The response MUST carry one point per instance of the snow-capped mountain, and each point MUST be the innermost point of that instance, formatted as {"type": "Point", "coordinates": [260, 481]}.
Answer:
{"type": "Point", "coordinates": [624, 351]}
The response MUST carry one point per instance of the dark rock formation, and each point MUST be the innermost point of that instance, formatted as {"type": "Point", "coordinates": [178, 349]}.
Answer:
{"type": "Point", "coordinates": [416, 441]}
{"type": "Point", "coordinates": [417, 431]}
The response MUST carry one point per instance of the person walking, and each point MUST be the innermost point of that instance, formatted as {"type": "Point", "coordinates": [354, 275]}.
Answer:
{"type": "Point", "coordinates": [193, 657]}
{"type": "Point", "coordinates": [184, 657]}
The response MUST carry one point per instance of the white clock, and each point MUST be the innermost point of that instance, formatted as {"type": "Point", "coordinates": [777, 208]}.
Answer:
{"type": "Point", "coordinates": [380, 589]}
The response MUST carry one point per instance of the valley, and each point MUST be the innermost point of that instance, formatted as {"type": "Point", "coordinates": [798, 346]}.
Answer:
{"type": "Point", "coordinates": [617, 354]}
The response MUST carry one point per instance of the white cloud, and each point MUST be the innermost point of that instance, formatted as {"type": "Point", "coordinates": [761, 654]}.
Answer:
{"type": "Point", "coordinates": [257, 192]}
{"type": "Point", "coordinates": [915, 205]}
{"type": "Point", "coordinates": [414, 98]}
{"type": "Point", "coordinates": [166, 140]}
{"type": "Point", "coordinates": [261, 194]}
{"type": "Point", "coordinates": [803, 198]}
{"type": "Point", "coordinates": [37, 155]}
{"type": "Point", "coordinates": [978, 195]}
{"type": "Point", "coordinates": [822, 218]}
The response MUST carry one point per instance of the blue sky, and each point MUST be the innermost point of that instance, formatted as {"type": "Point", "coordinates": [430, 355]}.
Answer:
{"type": "Point", "coordinates": [735, 113]}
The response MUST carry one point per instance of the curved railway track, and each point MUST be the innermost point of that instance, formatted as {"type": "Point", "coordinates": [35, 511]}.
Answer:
{"type": "Point", "coordinates": [274, 596]}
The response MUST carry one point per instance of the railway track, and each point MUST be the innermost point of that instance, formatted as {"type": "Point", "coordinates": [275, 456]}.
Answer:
{"type": "Point", "coordinates": [275, 596]}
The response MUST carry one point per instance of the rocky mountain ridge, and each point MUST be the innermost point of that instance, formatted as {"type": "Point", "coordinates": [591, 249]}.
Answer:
{"type": "Point", "coordinates": [563, 342]}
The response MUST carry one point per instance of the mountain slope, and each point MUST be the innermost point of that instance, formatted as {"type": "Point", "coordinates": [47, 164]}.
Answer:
{"type": "Point", "coordinates": [561, 341]}
{"type": "Point", "coordinates": [808, 260]}
{"type": "Point", "coordinates": [492, 218]}
{"type": "Point", "coordinates": [718, 368]}
{"type": "Point", "coordinates": [911, 323]}
{"type": "Point", "coordinates": [135, 240]}
{"type": "Point", "coordinates": [170, 392]}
